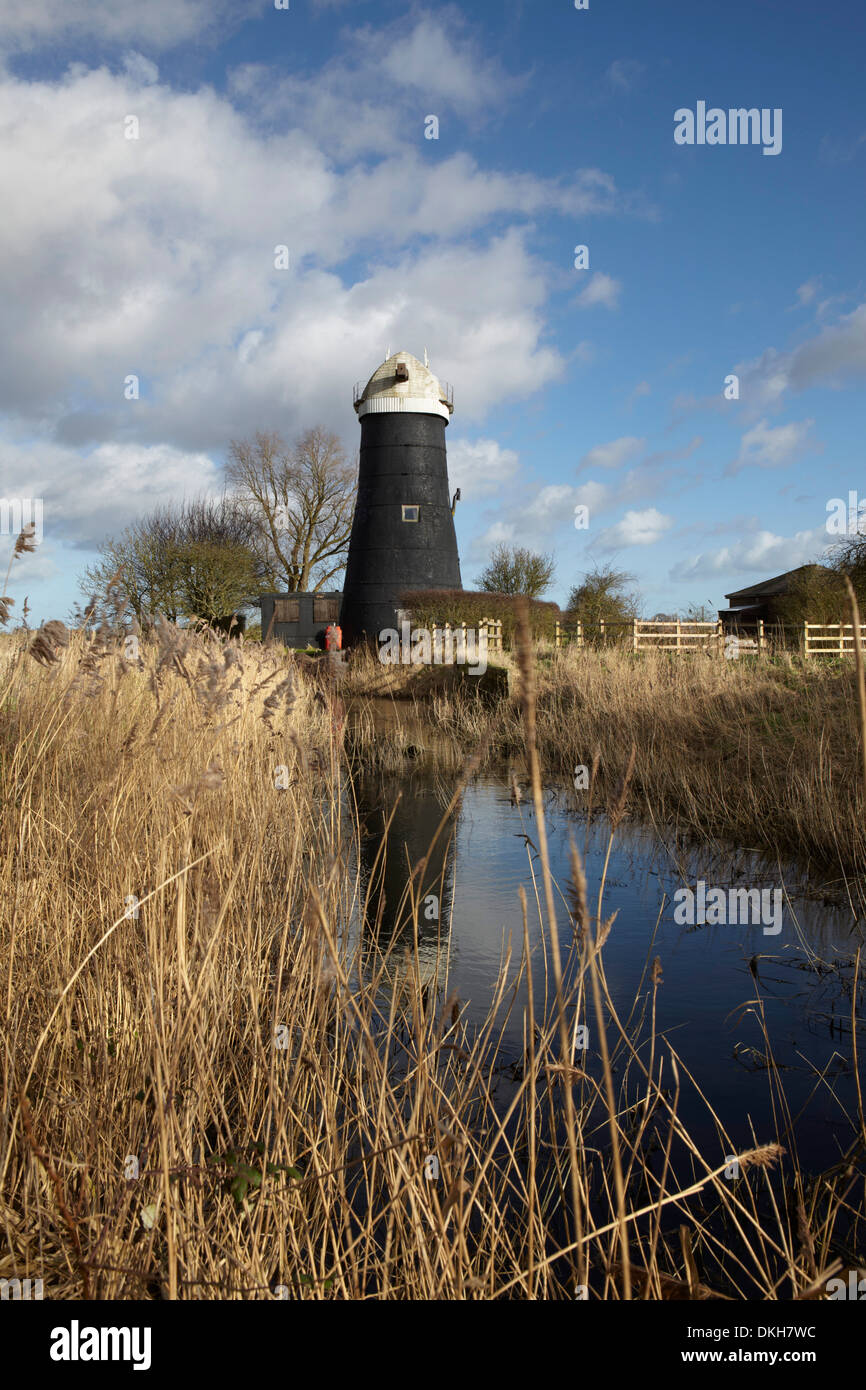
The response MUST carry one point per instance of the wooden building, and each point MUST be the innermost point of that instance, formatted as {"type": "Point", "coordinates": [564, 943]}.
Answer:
{"type": "Point", "coordinates": [762, 601]}
{"type": "Point", "coordinates": [298, 620]}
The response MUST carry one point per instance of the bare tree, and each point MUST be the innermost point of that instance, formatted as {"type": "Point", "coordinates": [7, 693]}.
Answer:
{"type": "Point", "coordinates": [847, 559]}
{"type": "Point", "coordinates": [302, 499]}
{"type": "Point", "coordinates": [700, 613]}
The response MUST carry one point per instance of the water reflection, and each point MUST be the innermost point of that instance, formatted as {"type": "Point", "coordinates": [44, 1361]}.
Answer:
{"type": "Point", "coordinates": [721, 984]}
{"type": "Point", "coordinates": [407, 847]}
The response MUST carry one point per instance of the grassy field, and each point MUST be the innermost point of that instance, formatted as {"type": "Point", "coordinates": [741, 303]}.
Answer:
{"type": "Point", "coordinates": [205, 1094]}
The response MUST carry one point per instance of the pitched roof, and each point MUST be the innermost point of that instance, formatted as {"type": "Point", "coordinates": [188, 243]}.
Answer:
{"type": "Point", "coordinates": [769, 588]}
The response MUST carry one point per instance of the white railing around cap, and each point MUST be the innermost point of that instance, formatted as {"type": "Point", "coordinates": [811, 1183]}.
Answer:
{"type": "Point", "coordinates": [446, 392]}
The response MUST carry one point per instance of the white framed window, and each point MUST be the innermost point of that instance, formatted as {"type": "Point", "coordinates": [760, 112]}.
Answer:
{"type": "Point", "coordinates": [411, 511]}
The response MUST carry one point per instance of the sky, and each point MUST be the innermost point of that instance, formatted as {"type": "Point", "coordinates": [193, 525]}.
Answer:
{"type": "Point", "coordinates": [153, 157]}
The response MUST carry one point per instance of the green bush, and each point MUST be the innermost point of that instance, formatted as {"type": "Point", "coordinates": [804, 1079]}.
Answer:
{"type": "Point", "coordinates": [455, 606]}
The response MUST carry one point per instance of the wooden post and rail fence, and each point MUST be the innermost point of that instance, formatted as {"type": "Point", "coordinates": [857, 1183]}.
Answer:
{"type": "Point", "coordinates": [660, 635]}
{"type": "Point", "coordinates": [676, 635]}
{"type": "Point", "coordinates": [831, 639]}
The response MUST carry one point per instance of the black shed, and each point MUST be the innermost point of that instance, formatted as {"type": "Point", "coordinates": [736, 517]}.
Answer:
{"type": "Point", "coordinates": [299, 620]}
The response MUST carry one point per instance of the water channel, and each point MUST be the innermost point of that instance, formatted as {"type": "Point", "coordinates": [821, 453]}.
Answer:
{"type": "Point", "coordinates": [718, 980]}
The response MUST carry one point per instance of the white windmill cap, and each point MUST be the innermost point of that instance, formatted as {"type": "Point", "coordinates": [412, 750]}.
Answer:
{"type": "Point", "coordinates": [402, 383]}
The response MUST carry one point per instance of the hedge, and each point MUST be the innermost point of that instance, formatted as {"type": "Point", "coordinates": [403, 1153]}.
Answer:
{"type": "Point", "coordinates": [429, 606]}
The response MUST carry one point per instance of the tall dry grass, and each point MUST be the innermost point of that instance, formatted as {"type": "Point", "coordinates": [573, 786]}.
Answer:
{"type": "Point", "coordinates": [765, 753]}
{"type": "Point", "coordinates": [187, 988]}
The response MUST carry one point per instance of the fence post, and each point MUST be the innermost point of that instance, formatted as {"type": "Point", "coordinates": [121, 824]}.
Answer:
{"type": "Point", "coordinates": [678, 635]}
{"type": "Point", "coordinates": [579, 634]}
{"type": "Point", "coordinates": [558, 635]}
{"type": "Point", "coordinates": [805, 639]}
{"type": "Point", "coordinates": [762, 641]}
{"type": "Point", "coordinates": [601, 633]}
{"type": "Point", "coordinates": [720, 636]}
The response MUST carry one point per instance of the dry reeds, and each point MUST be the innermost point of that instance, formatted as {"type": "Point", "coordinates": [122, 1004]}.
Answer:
{"type": "Point", "coordinates": [763, 752]}
{"type": "Point", "coordinates": [211, 1086]}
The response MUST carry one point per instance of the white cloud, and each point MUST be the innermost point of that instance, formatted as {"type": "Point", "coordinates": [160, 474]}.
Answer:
{"type": "Point", "coordinates": [480, 467]}
{"type": "Point", "coordinates": [769, 446]}
{"type": "Point", "coordinates": [88, 496]}
{"type": "Point", "coordinates": [597, 497]}
{"type": "Point", "coordinates": [426, 60]}
{"type": "Point", "coordinates": [601, 289]}
{"type": "Point", "coordinates": [833, 357]}
{"type": "Point", "coordinates": [155, 256]}
{"type": "Point", "coordinates": [643, 388]}
{"type": "Point", "coordinates": [807, 291]}
{"type": "Point", "coordinates": [554, 503]}
{"type": "Point", "coordinates": [636, 528]}
{"type": "Point", "coordinates": [156, 24]}
{"type": "Point", "coordinates": [623, 73]}
{"type": "Point", "coordinates": [498, 533]}
{"type": "Point", "coordinates": [33, 567]}
{"type": "Point", "coordinates": [763, 554]}
{"type": "Point", "coordinates": [161, 249]}
{"type": "Point", "coordinates": [139, 69]}
{"type": "Point", "coordinates": [376, 91]}
{"type": "Point", "coordinates": [613, 454]}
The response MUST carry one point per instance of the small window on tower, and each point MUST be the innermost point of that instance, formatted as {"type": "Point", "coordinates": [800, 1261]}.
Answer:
{"type": "Point", "coordinates": [411, 511]}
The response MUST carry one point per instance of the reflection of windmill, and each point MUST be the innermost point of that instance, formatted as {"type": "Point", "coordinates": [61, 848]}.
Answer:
{"type": "Point", "coordinates": [407, 877]}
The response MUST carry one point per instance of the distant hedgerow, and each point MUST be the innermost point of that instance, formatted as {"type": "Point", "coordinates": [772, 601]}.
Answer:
{"type": "Point", "coordinates": [429, 606]}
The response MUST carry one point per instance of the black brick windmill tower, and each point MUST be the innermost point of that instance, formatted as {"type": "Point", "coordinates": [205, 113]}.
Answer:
{"type": "Point", "coordinates": [403, 531]}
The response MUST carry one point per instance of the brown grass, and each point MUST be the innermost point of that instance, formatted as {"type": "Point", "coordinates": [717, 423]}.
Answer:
{"type": "Point", "coordinates": [764, 753]}
{"type": "Point", "coordinates": [283, 1101]}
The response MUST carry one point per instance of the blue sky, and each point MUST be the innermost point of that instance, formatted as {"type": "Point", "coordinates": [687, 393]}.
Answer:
{"type": "Point", "coordinates": [305, 127]}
